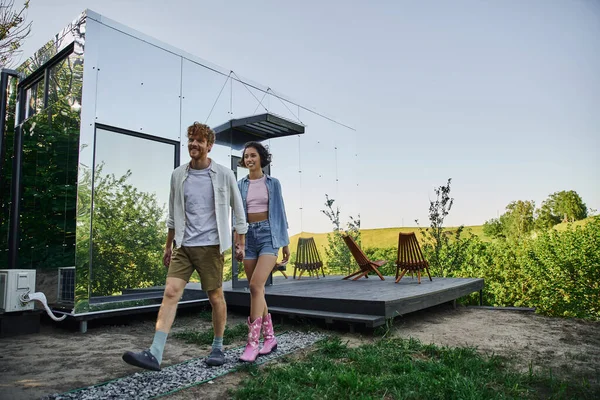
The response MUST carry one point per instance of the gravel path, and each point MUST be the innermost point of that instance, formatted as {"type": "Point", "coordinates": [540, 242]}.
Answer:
{"type": "Point", "coordinates": [146, 385]}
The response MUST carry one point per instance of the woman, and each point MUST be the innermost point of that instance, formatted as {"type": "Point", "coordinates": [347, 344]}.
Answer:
{"type": "Point", "coordinates": [267, 232]}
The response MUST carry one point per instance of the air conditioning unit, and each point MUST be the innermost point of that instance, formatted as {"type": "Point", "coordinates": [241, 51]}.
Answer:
{"type": "Point", "coordinates": [13, 284]}
{"type": "Point", "coordinates": [66, 285]}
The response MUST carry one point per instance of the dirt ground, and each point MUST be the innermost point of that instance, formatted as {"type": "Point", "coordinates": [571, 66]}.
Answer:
{"type": "Point", "coordinates": [59, 358]}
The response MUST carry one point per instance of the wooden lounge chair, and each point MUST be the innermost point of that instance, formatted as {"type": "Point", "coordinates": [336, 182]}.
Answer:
{"type": "Point", "coordinates": [363, 262]}
{"type": "Point", "coordinates": [307, 258]}
{"type": "Point", "coordinates": [410, 258]}
{"type": "Point", "coordinates": [280, 267]}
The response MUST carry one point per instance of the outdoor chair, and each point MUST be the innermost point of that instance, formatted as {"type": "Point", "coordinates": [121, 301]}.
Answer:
{"type": "Point", "coordinates": [281, 267]}
{"type": "Point", "coordinates": [307, 258]}
{"type": "Point", "coordinates": [410, 258]}
{"type": "Point", "coordinates": [363, 262]}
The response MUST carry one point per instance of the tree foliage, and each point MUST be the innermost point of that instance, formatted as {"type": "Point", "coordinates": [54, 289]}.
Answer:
{"type": "Point", "coordinates": [517, 221]}
{"type": "Point", "coordinates": [128, 231]}
{"type": "Point", "coordinates": [567, 206]}
{"type": "Point", "coordinates": [521, 217]}
{"type": "Point", "coordinates": [558, 273]}
{"type": "Point", "coordinates": [13, 30]}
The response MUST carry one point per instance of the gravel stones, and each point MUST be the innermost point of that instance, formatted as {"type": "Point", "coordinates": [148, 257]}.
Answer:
{"type": "Point", "coordinates": [145, 385]}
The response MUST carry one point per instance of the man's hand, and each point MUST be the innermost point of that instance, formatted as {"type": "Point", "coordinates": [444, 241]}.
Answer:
{"type": "Point", "coordinates": [167, 257]}
{"type": "Point", "coordinates": [286, 254]}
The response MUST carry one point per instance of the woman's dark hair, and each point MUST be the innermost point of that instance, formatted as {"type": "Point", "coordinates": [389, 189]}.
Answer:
{"type": "Point", "coordinates": [263, 152]}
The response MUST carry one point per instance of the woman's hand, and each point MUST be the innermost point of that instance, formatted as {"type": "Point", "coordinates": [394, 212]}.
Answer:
{"type": "Point", "coordinates": [286, 254]}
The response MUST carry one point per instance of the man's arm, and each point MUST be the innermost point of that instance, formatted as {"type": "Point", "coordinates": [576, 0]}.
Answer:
{"type": "Point", "coordinates": [170, 216]}
{"type": "Point", "coordinates": [170, 225]}
{"type": "Point", "coordinates": [241, 227]}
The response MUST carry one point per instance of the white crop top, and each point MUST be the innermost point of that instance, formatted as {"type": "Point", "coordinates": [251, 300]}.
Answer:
{"type": "Point", "coordinates": [257, 199]}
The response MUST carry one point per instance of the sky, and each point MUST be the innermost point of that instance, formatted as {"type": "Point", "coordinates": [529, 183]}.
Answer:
{"type": "Point", "coordinates": [501, 96]}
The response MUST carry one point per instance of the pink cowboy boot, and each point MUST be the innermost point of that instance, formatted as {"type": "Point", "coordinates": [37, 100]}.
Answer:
{"type": "Point", "coordinates": [270, 343]}
{"type": "Point", "coordinates": [251, 350]}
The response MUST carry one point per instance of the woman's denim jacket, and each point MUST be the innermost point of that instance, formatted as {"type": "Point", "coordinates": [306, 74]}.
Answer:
{"type": "Point", "coordinates": [277, 217]}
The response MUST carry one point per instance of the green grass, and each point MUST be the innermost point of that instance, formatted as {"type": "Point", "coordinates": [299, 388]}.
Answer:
{"type": "Point", "coordinates": [401, 369]}
{"type": "Point", "coordinates": [203, 338]}
{"type": "Point", "coordinates": [564, 225]}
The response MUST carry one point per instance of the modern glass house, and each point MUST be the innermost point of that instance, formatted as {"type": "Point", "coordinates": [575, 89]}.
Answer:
{"type": "Point", "coordinates": [93, 125]}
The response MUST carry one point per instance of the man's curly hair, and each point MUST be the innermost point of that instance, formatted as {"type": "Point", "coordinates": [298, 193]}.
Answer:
{"type": "Point", "coordinates": [201, 131]}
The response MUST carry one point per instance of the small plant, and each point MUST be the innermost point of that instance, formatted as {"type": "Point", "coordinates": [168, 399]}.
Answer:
{"type": "Point", "coordinates": [446, 251]}
{"type": "Point", "coordinates": [339, 258]}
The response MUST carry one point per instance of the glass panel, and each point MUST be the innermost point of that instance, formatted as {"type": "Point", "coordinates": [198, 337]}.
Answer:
{"type": "Point", "coordinates": [142, 96]}
{"type": "Point", "coordinates": [65, 80]}
{"type": "Point", "coordinates": [71, 34]}
{"type": "Point", "coordinates": [130, 199]}
{"type": "Point", "coordinates": [48, 205]}
{"type": "Point", "coordinates": [34, 98]}
{"type": "Point", "coordinates": [6, 167]}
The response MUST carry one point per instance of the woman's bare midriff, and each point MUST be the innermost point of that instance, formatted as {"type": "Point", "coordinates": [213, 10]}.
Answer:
{"type": "Point", "coordinates": [257, 217]}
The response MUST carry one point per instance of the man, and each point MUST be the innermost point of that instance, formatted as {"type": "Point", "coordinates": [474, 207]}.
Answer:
{"type": "Point", "coordinates": [201, 193]}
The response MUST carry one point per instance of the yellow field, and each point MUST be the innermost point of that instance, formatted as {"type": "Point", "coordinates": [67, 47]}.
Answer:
{"type": "Point", "coordinates": [564, 225]}
{"type": "Point", "coordinates": [380, 238]}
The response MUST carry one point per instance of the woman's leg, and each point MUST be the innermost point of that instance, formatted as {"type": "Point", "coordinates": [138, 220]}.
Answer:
{"type": "Point", "coordinates": [249, 266]}
{"type": "Point", "coordinates": [262, 270]}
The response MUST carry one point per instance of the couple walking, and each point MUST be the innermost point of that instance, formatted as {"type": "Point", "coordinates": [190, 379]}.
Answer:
{"type": "Point", "coordinates": [202, 192]}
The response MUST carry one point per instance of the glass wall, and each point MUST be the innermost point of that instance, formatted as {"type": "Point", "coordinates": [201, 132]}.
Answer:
{"type": "Point", "coordinates": [130, 200]}
{"type": "Point", "coordinates": [49, 172]}
{"type": "Point", "coordinates": [95, 194]}
{"type": "Point", "coordinates": [6, 169]}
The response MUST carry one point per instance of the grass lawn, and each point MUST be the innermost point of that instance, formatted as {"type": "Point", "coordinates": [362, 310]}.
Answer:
{"type": "Point", "coordinates": [400, 369]}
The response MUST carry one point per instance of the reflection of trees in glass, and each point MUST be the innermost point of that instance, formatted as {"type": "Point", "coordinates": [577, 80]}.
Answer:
{"type": "Point", "coordinates": [49, 175]}
{"type": "Point", "coordinates": [128, 231]}
{"type": "Point", "coordinates": [6, 170]}
{"type": "Point", "coordinates": [49, 171]}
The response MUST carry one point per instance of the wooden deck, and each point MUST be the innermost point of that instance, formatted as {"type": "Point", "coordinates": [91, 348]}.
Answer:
{"type": "Point", "coordinates": [369, 301]}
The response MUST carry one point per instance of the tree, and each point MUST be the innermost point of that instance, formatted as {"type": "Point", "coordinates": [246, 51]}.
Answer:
{"type": "Point", "coordinates": [13, 30]}
{"type": "Point", "coordinates": [567, 205]}
{"type": "Point", "coordinates": [128, 231]}
{"type": "Point", "coordinates": [517, 221]}
{"type": "Point", "coordinates": [545, 218]}
{"type": "Point", "coordinates": [339, 258]}
{"type": "Point", "coordinates": [493, 228]}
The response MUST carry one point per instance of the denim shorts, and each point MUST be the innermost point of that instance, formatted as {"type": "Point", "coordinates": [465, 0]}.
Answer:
{"type": "Point", "coordinates": [259, 241]}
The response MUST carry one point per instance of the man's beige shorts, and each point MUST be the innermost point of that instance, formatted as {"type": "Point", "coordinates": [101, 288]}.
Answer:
{"type": "Point", "coordinates": [205, 259]}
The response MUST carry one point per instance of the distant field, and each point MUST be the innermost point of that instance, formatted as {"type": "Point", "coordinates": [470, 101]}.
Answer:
{"type": "Point", "coordinates": [564, 225]}
{"type": "Point", "coordinates": [380, 238]}
{"type": "Point", "coordinates": [388, 237]}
